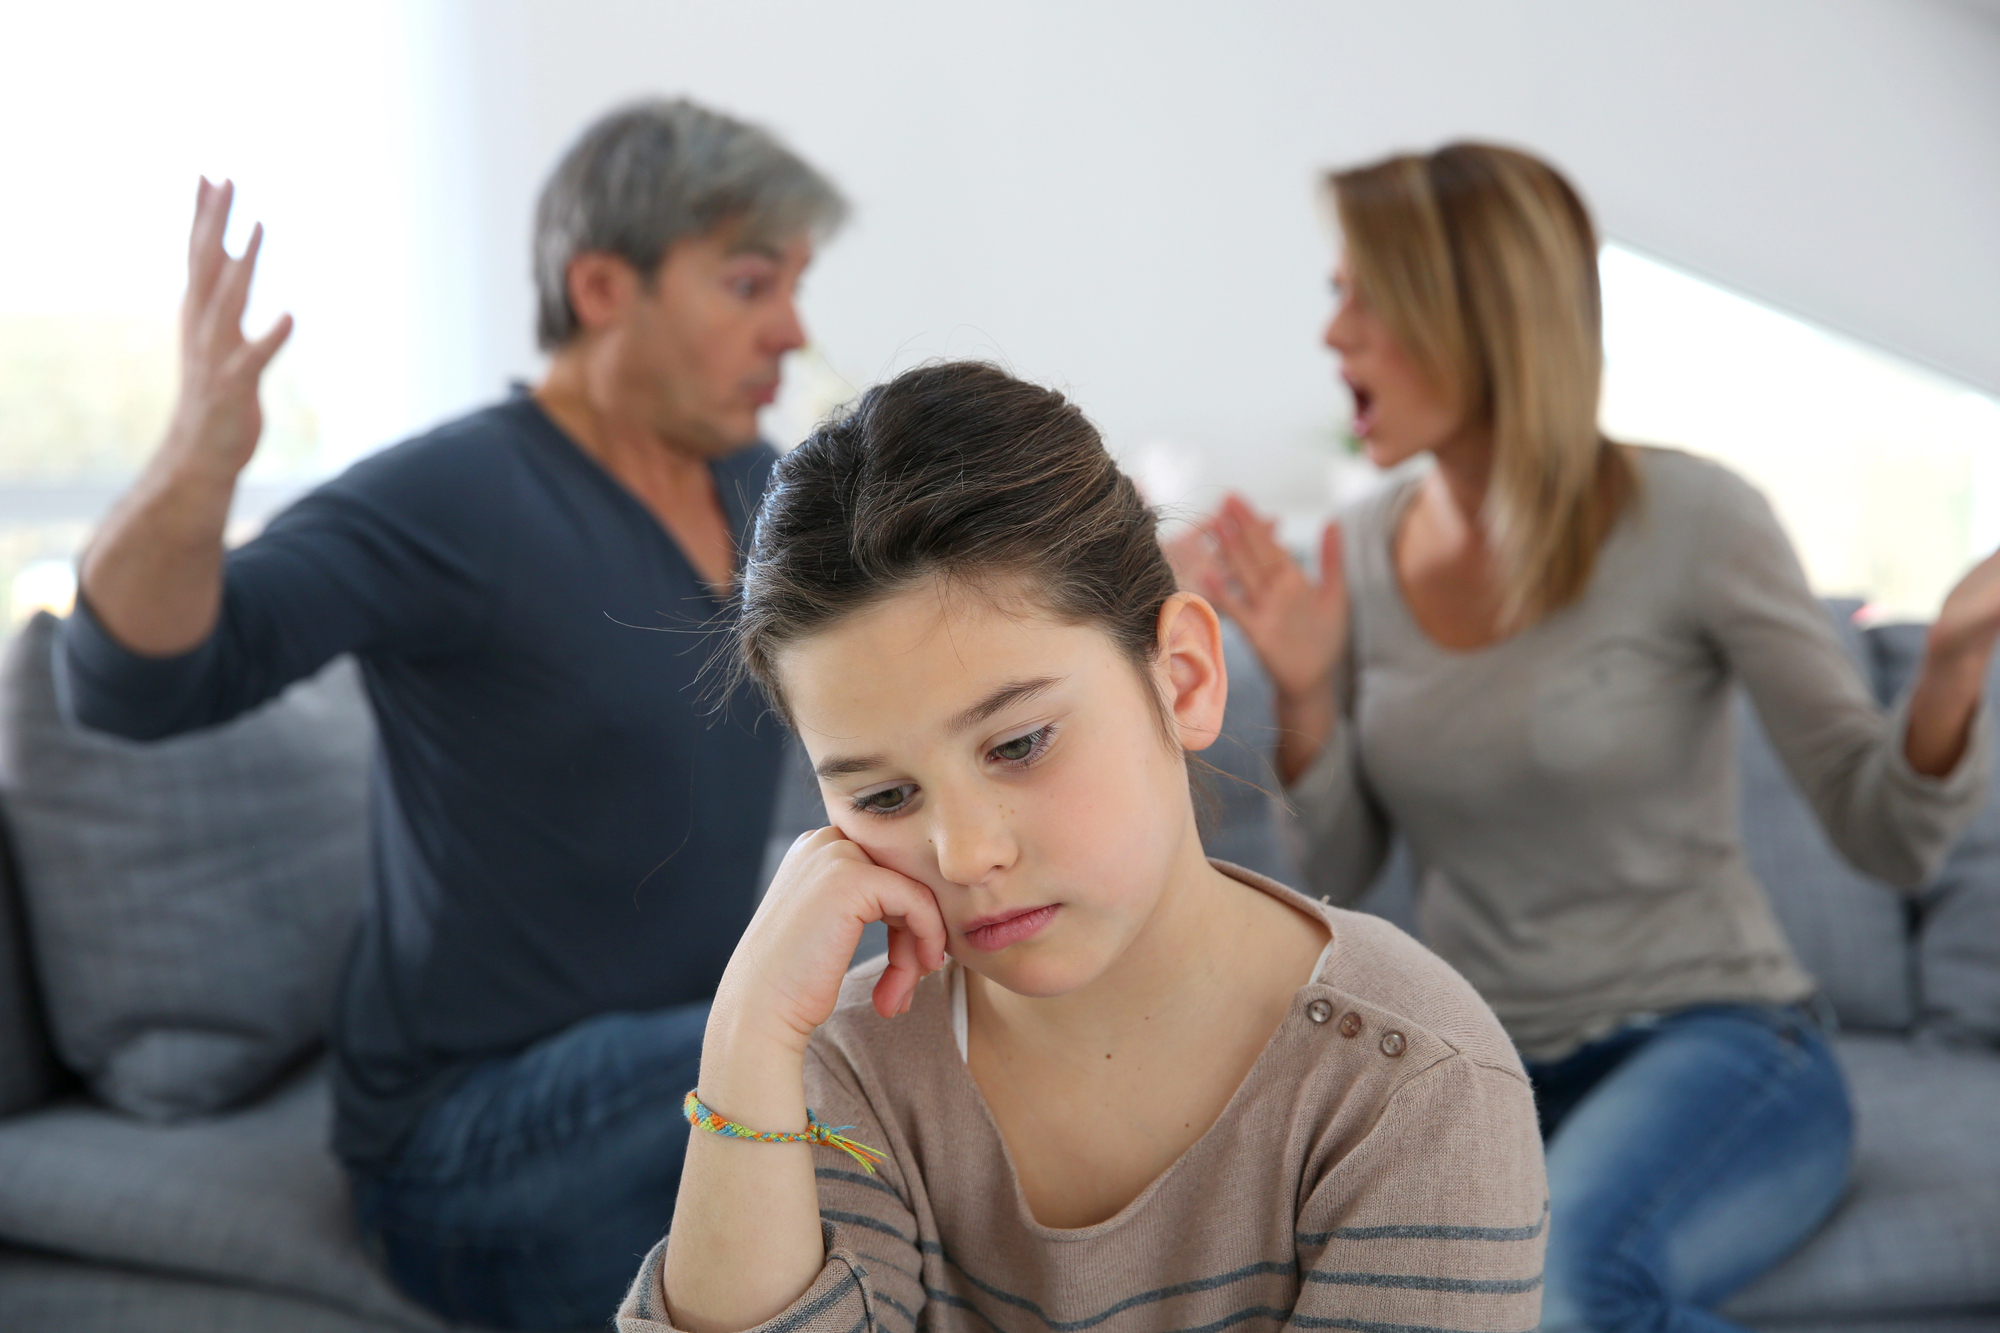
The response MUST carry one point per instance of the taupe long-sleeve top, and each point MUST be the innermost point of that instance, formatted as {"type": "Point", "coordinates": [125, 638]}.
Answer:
{"type": "Point", "coordinates": [1570, 793]}
{"type": "Point", "coordinates": [1378, 1168]}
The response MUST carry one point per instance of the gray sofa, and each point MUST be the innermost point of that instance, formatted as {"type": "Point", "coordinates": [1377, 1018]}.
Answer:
{"type": "Point", "coordinates": [172, 917]}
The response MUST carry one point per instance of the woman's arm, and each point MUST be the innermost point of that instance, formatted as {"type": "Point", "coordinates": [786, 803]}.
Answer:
{"type": "Point", "coordinates": [746, 1241]}
{"type": "Point", "coordinates": [1952, 680]}
{"type": "Point", "coordinates": [1892, 792]}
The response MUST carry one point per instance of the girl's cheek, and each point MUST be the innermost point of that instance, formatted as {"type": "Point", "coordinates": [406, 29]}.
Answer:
{"type": "Point", "coordinates": [892, 844]}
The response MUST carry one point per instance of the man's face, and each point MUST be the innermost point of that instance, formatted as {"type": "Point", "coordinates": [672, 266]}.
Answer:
{"type": "Point", "coordinates": [700, 349]}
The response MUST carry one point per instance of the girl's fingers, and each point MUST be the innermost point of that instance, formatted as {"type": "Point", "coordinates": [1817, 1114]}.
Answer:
{"type": "Point", "coordinates": [898, 982]}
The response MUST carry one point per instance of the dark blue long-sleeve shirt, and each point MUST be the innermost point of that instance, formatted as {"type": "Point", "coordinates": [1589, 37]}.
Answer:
{"type": "Point", "coordinates": [562, 825]}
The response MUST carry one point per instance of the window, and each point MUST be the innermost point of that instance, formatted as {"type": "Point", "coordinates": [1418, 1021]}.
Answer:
{"type": "Point", "coordinates": [1886, 475]}
{"type": "Point", "coordinates": [313, 112]}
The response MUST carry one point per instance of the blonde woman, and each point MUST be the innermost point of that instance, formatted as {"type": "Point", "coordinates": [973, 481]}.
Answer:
{"type": "Point", "coordinates": [1522, 662]}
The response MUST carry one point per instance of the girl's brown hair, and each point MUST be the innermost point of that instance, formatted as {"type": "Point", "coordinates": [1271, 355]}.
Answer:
{"type": "Point", "coordinates": [1482, 262]}
{"type": "Point", "coordinates": [957, 472]}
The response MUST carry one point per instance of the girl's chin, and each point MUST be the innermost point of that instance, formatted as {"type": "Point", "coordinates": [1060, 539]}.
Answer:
{"type": "Point", "coordinates": [1036, 978]}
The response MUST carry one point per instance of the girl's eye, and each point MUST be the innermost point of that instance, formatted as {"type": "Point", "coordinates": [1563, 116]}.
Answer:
{"type": "Point", "coordinates": [885, 802]}
{"type": "Point", "coordinates": [1024, 748]}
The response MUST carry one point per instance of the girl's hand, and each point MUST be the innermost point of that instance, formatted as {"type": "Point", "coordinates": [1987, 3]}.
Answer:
{"type": "Point", "coordinates": [1297, 626]}
{"type": "Point", "coordinates": [784, 977]}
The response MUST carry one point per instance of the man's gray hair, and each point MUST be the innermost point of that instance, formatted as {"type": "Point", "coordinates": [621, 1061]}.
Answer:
{"type": "Point", "coordinates": [656, 172]}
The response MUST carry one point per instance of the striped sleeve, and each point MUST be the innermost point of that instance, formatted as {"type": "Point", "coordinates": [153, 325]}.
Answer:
{"type": "Point", "coordinates": [872, 1281]}
{"type": "Point", "coordinates": [1435, 1221]}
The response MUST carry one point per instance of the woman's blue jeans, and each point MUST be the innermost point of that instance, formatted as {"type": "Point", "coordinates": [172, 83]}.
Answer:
{"type": "Point", "coordinates": [527, 1196]}
{"type": "Point", "coordinates": [1687, 1154]}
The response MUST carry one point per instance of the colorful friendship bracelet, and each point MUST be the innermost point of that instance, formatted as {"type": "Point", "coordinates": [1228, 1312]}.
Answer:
{"type": "Point", "coordinates": [701, 1117]}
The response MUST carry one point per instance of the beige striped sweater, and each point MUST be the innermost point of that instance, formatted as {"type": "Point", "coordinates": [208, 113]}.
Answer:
{"type": "Point", "coordinates": [1379, 1170]}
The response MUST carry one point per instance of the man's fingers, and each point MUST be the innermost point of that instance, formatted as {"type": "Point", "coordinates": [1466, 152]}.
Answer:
{"type": "Point", "coordinates": [232, 293]}
{"type": "Point", "coordinates": [205, 253]}
{"type": "Point", "coordinates": [258, 354]}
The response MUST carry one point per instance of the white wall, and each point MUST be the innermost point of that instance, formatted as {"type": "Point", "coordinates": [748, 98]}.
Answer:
{"type": "Point", "coordinates": [1116, 197]}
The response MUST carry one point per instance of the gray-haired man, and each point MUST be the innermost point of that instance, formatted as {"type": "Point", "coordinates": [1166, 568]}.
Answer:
{"type": "Point", "coordinates": [566, 836]}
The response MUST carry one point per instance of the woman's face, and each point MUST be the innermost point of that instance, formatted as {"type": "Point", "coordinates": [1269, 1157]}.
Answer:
{"type": "Point", "coordinates": [1013, 764]}
{"type": "Point", "coordinates": [1398, 411]}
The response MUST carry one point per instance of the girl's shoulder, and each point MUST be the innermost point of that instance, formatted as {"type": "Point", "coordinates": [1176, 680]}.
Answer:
{"type": "Point", "coordinates": [1383, 989]}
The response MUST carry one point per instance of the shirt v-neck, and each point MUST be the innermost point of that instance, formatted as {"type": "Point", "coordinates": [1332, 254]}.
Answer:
{"type": "Point", "coordinates": [736, 511]}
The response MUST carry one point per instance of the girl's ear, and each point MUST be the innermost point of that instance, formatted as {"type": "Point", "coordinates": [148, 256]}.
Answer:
{"type": "Point", "coordinates": [1196, 678]}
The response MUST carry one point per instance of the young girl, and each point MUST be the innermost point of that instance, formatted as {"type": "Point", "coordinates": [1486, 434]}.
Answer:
{"type": "Point", "coordinates": [1098, 1081]}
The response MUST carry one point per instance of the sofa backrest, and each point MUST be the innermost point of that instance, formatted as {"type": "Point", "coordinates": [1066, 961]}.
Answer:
{"type": "Point", "coordinates": [189, 901]}
{"type": "Point", "coordinates": [29, 1073]}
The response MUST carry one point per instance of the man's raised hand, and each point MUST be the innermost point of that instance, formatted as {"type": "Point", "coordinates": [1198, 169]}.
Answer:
{"type": "Point", "coordinates": [217, 418]}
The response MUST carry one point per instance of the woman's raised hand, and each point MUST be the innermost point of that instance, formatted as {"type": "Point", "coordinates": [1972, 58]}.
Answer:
{"type": "Point", "coordinates": [1957, 652]}
{"type": "Point", "coordinates": [1298, 625]}
{"type": "Point", "coordinates": [217, 418]}
{"type": "Point", "coordinates": [784, 978]}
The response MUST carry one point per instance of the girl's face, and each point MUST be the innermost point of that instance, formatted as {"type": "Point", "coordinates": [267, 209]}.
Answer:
{"type": "Point", "coordinates": [1398, 411]}
{"type": "Point", "coordinates": [1014, 765]}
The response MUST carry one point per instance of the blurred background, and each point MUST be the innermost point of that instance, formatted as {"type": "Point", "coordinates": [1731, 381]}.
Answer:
{"type": "Point", "coordinates": [1801, 200]}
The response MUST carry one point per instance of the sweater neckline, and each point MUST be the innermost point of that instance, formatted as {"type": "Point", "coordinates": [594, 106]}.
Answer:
{"type": "Point", "coordinates": [955, 1027]}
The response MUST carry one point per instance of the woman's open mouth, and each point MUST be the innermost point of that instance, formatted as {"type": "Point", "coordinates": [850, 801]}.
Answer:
{"type": "Point", "coordinates": [990, 934]}
{"type": "Point", "coordinates": [1364, 409]}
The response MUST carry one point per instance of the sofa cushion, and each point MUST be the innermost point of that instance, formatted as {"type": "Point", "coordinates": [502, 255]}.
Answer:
{"type": "Point", "coordinates": [252, 1198]}
{"type": "Point", "coordinates": [1919, 1230]}
{"type": "Point", "coordinates": [42, 1294]}
{"type": "Point", "coordinates": [1958, 930]}
{"type": "Point", "coordinates": [188, 898]}
{"type": "Point", "coordinates": [28, 1073]}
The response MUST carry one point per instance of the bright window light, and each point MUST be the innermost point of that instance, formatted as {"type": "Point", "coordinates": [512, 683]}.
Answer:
{"type": "Point", "coordinates": [1886, 475]}
{"type": "Point", "coordinates": [115, 109]}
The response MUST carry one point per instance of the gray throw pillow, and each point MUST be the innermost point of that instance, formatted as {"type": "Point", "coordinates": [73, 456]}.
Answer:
{"type": "Point", "coordinates": [190, 900]}
{"type": "Point", "coordinates": [1958, 931]}
{"type": "Point", "coordinates": [28, 1071]}
{"type": "Point", "coordinates": [1850, 931]}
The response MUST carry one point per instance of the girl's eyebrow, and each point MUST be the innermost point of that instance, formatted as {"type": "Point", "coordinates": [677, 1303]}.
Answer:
{"type": "Point", "coordinates": [1012, 693]}
{"type": "Point", "coordinates": [1001, 698]}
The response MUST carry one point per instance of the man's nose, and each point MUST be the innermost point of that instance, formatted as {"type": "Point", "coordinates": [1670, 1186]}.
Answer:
{"type": "Point", "coordinates": [786, 332]}
{"type": "Point", "coordinates": [972, 840]}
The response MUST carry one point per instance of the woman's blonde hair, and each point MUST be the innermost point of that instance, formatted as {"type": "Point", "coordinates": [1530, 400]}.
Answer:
{"type": "Point", "coordinates": [1482, 263]}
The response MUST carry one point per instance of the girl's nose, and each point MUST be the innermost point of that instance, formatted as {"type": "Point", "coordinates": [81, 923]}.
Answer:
{"type": "Point", "coordinates": [972, 841]}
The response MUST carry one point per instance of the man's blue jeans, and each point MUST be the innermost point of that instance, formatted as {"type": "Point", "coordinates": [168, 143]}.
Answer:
{"type": "Point", "coordinates": [1686, 1155]}
{"type": "Point", "coordinates": [526, 1197]}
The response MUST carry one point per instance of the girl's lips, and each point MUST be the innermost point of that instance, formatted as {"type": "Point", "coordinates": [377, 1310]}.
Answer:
{"type": "Point", "coordinates": [996, 934]}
